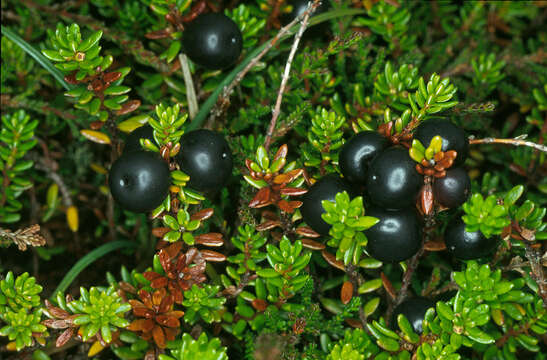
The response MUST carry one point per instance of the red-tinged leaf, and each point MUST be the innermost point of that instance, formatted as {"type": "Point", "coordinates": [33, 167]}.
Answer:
{"type": "Point", "coordinates": [129, 107]}
{"type": "Point", "coordinates": [141, 325]}
{"type": "Point", "coordinates": [55, 311]}
{"type": "Point", "coordinates": [166, 303]}
{"type": "Point", "coordinates": [354, 323]}
{"type": "Point", "coordinates": [293, 191]}
{"type": "Point", "coordinates": [159, 336]}
{"type": "Point", "coordinates": [159, 283]}
{"type": "Point", "coordinates": [173, 250]}
{"type": "Point", "coordinates": [96, 125]}
{"type": "Point", "coordinates": [210, 255]}
{"type": "Point", "coordinates": [170, 333]}
{"type": "Point", "coordinates": [158, 34]}
{"type": "Point", "coordinates": [268, 225]}
{"type": "Point", "coordinates": [203, 214]}
{"type": "Point", "coordinates": [151, 275]}
{"type": "Point", "coordinates": [312, 245]}
{"type": "Point", "coordinates": [71, 79]}
{"type": "Point", "coordinates": [177, 314]}
{"type": "Point", "coordinates": [388, 286]}
{"type": "Point", "coordinates": [64, 337]}
{"type": "Point", "coordinates": [307, 232]}
{"type": "Point", "coordinates": [167, 321]}
{"type": "Point", "coordinates": [346, 293]}
{"type": "Point", "coordinates": [435, 246]}
{"type": "Point", "coordinates": [209, 239]}
{"type": "Point", "coordinates": [260, 305]}
{"type": "Point", "coordinates": [288, 176]}
{"type": "Point", "coordinates": [440, 174]}
{"type": "Point", "coordinates": [331, 259]}
{"type": "Point", "coordinates": [55, 324]}
{"type": "Point", "coordinates": [281, 152]}
{"type": "Point", "coordinates": [196, 9]}
{"type": "Point", "coordinates": [150, 355]}
{"type": "Point", "coordinates": [427, 199]}
{"type": "Point", "coordinates": [261, 199]}
{"type": "Point", "coordinates": [111, 76]}
{"type": "Point", "coordinates": [288, 206]}
{"type": "Point", "coordinates": [96, 85]}
{"type": "Point", "coordinates": [127, 287]}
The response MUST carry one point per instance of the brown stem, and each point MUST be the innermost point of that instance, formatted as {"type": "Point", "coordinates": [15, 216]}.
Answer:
{"type": "Point", "coordinates": [514, 142]}
{"type": "Point", "coordinates": [357, 280]}
{"type": "Point", "coordinates": [223, 100]}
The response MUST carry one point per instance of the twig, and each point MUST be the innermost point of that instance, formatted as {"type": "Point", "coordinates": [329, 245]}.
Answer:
{"type": "Point", "coordinates": [357, 280]}
{"type": "Point", "coordinates": [190, 90]}
{"type": "Point", "coordinates": [514, 142]}
{"type": "Point", "coordinates": [28, 236]}
{"type": "Point", "coordinates": [537, 272]}
{"type": "Point", "coordinates": [223, 101]}
{"type": "Point", "coordinates": [277, 110]}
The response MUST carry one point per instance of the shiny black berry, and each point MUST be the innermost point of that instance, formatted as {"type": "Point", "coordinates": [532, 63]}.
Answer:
{"type": "Point", "coordinates": [452, 190]}
{"type": "Point", "coordinates": [414, 310]}
{"type": "Point", "coordinates": [324, 189]}
{"type": "Point", "coordinates": [139, 181]}
{"type": "Point", "coordinates": [133, 139]}
{"type": "Point", "coordinates": [213, 40]}
{"type": "Point", "coordinates": [357, 153]}
{"type": "Point", "coordinates": [453, 136]}
{"type": "Point", "coordinates": [467, 245]}
{"type": "Point", "coordinates": [396, 237]}
{"type": "Point", "coordinates": [392, 179]}
{"type": "Point", "coordinates": [206, 157]}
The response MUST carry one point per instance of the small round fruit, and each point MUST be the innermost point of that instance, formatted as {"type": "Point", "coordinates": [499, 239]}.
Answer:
{"type": "Point", "coordinates": [139, 181]}
{"type": "Point", "coordinates": [213, 40]}
{"type": "Point", "coordinates": [414, 310]}
{"type": "Point", "coordinates": [324, 189]}
{"type": "Point", "coordinates": [453, 136]}
{"type": "Point", "coordinates": [396, 237]}
{"type": "Point", "coordinates": [133, 139]}
{"type": "Point", "coordinates": [392, 179]}
{"type": "Point", "coordinates": [452, 190]}
{"type": "Point", "coordinates": [357, 153]}
{"type": "Point", "coordinates": [467, 245]}
{"type": "Point", "coordinates": [206, 157]}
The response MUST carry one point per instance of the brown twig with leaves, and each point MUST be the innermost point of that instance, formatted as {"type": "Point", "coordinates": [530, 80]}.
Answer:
{"type": "Point", "coordinates": [514, 142]}
{"type": "Point", "coordinates": [29, 236]}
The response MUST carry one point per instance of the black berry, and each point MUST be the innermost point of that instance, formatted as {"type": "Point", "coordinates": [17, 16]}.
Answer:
{"type": "Point", "coordinates": [139, 181]}
{"type": "Point", "coordinates": [414, 310]}
{"type": "Point", "coordinates": [324, 189]}
{"type": "Point", "coordinates": [206, 157]}
{"type": "Point", "coordinates": [396, 237]}
{"type": "Point", "coordinates": [452, 190]}
{"type": "Point", "coordinates": [453, 136]}
{"type": "Point", "coordinates": [357, 153]}
{"type": "Point", "coordinates": [213, 40]}
{"type": "Point", "coordinates": [133, 139]}
{"type": "Point", "coordinates": [467, 245]}
{"type": "Point", "coordinates": [392, 179]}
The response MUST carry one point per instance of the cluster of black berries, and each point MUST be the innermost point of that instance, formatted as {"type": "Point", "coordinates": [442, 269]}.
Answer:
{"type": "Point", "coordinates": [139, 180]}
{"type": "Point", "coordinates": [391, 183]}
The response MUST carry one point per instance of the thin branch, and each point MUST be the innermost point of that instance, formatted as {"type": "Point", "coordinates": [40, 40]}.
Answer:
{"type": "Point", "coordinates": [277, 110]}
{"type": "Point", "coordinates": [29, 236]}
{"type": "Point", "coordinates": [223, 100]}
{"type": "Point", "coordinates": [514, 142]}
{"type": "Point", "coordinates": [188, 81]}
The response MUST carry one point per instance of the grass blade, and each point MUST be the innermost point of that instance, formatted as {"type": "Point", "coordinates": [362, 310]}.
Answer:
{"type": "Point", "coordinates": [89, 259]}
{"type": "Point", "coordinates": [36, 55]}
